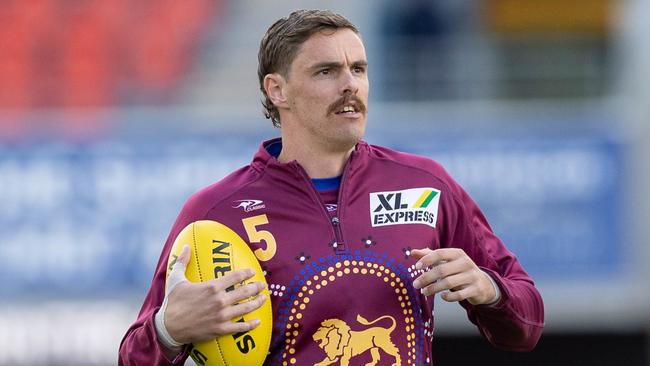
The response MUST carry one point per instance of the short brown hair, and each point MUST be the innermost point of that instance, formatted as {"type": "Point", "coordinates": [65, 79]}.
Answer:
{"type": "Point", "coordinates": [282, 42]}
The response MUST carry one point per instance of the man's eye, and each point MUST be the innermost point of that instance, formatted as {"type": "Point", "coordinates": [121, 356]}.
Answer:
{"type": "Point", "coordinates": [359, 69]}
{"type": "Point", "coordinates": [324, 72]}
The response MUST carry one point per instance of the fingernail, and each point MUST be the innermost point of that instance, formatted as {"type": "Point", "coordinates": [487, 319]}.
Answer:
{"type": "Point", "coordinates": [262, 297]}
{"type": "Point", "coordinates": [418, 265]}
{"type": "Point", "coordinates": [256, 322]}
{"type": "Point", "coordinates": [416, 284]}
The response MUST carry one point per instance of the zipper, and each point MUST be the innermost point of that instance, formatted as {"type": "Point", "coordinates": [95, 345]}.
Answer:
{"type": "Point", "coordinates": [338, 244]}
{"type": "Point", "coordinates": [335, 222]}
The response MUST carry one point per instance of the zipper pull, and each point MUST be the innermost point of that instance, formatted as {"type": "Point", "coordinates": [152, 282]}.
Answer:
{"type": "Point", "coordinates": [338, 244]}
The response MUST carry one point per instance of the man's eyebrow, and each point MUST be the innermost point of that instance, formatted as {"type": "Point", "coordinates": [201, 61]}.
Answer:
{"type": "Point", "coordinates": [327, 65]}
{"type": "Point", "coordinates": [336, 65]}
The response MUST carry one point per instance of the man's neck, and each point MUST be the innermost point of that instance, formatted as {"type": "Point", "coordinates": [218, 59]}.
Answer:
{"type": "Point", "coordinates": [318, 162]}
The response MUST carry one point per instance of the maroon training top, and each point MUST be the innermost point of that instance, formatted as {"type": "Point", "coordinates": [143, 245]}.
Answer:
{"type": "Point", "coordinates": [340, 276]}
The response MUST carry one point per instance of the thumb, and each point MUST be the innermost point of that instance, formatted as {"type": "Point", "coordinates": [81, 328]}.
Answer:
{"type": "Point", "coordinates": [177, 274]}
{"type": "Point", "coordinates": [184, 257]}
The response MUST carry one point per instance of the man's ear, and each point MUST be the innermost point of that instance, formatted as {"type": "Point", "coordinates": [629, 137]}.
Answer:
{"type": "Point", "coordinates": [275, 87]}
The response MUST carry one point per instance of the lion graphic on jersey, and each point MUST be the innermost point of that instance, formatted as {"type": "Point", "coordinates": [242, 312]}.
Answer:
{"type": "Point", "coordinates": [341, 343]}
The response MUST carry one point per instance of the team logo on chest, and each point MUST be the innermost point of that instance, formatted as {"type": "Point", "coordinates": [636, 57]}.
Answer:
{"type": "Point", "coordinates": [409, 206]}
{"type": "Point", "coordinates": [249, 205]}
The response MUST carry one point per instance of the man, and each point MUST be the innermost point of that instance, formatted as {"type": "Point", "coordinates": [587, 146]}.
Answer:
{"type": "Point", "coordinates": [335, 219]}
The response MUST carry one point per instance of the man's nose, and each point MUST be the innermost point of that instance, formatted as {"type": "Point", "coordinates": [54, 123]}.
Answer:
{"type": "Point", "coordinates": [350, 83]}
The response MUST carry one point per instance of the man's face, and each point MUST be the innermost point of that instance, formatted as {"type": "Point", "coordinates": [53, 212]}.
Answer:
{"type": "Point", "coordinates": [327, 90]}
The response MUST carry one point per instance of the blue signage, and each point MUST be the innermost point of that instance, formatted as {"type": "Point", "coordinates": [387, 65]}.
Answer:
{"type": "Point", "coordinates": [89, 220]}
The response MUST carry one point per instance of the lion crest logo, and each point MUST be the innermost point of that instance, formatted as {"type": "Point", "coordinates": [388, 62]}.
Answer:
{"type": "Point", "coordinates": [341, 343]}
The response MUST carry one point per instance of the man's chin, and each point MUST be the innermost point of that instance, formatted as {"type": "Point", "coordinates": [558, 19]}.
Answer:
{"type": "Point", "coordinates": [345, 143]}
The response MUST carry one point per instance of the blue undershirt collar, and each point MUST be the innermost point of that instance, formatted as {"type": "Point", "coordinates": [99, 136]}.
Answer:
{"type": "Point", "coordinates": [326, 184]}
{"type": "Point", "coordinates": [274, 148]}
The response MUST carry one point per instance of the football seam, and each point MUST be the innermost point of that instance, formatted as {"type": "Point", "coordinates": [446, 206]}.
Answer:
{"type": "Point", "coordinates": [269, 316]}
{"type": "Point", "coordinates": [196, 251]}
{"type": "Point", "coordinates": [223, 360]}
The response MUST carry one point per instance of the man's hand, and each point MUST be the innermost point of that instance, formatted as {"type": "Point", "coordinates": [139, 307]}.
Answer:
{"type": "Point", "coordinates": [202, 311]}
{"type": "Point", "coordinates": [452, 269]}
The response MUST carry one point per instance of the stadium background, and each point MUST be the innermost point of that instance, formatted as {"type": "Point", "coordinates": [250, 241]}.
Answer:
{"type": "Point", "coordinates": [112, 112]}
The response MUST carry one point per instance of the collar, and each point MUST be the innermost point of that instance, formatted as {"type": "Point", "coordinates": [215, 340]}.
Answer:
{"type": "Point", "coordinates": [263, 158]}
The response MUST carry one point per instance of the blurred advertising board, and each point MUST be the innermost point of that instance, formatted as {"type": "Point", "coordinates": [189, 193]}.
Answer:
{"type": "Point", "coordinates": [88, 219]}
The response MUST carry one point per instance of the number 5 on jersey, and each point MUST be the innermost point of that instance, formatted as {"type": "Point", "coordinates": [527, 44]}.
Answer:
{"type": "Point", "coordinates": [256, 236]}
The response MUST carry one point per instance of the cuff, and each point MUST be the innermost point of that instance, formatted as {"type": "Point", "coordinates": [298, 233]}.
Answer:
{"type": "Point", "coordinates": [161, 330]}
{"type": "Point", "coordinates": [497, 290]}
{"type": "Point", "coordinates": [173, 355]}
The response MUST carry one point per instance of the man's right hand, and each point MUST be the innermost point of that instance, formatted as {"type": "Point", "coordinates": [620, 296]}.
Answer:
{"type": "Point", "coordinates": [202, 311]}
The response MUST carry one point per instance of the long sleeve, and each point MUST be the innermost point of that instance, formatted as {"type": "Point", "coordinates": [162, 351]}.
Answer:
{"type": "Point", "coordinates": [515, 323]}
{"type": "Point", "coordinates": [140, 345]}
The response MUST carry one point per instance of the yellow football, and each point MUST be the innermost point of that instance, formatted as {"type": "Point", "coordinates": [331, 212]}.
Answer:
{"type": "Point", "coordinates": [216, 250]}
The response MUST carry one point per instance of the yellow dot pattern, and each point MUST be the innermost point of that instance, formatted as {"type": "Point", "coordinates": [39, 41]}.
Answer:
{"type": "Point", "coordinates": [331, 275]}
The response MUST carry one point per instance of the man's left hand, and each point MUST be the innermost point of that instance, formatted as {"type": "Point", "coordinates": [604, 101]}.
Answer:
{"type": "Point", "coordinates": [452, 269]}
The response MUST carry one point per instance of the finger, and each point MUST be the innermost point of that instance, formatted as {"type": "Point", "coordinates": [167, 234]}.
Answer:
{"type": "Point", "coordinates": [184, 257]}
{"type": "Point", "coordinates": [435, 257]}
{"type": "Point", "coordinates": [244, 292]}
{"type": "Point", "coordinates": [231, 279]}
{"type": "Point", "coordinates": [419, 253]}
{"type": "Point", "coordinates": [177, 274]}
{"type": "Point", "coordinates": [460, 295]}
{"type": "Point", "coordinates": [239, 310]}
{"type": "Point", "coordinates": [455, 282]}
{"type": "Point", "coordinates": [438, 272]}
{"type": "Point", "coordinates": [233, 327]}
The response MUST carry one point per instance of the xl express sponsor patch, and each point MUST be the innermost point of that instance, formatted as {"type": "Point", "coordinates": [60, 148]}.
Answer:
{"type": "Point", "coordinates": [408, 206]}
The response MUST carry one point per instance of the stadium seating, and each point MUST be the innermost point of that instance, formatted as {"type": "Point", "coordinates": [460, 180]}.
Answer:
{"type": "Point", "coordinates": [99, 53]}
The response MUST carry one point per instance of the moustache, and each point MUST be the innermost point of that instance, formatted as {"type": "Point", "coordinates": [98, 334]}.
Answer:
{"type": "Point", "coordinates": [347, 99]}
